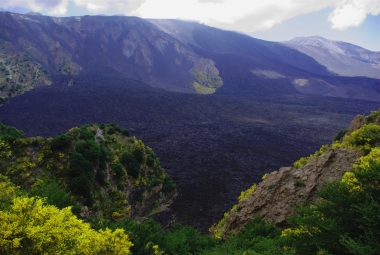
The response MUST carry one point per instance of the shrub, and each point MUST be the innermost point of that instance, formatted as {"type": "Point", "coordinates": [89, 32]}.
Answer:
{"type": "Point", "coordinates": [133, 169]}
{"type": "Point", "coordinates": [111, 131]}
{"type": "Point", "coordinates": [86, 134]}
{"type": "Point", "coordinates": [341, 134]}
{"type": "Point", "coordinates": [127, 158]}
{"type": "Point", "coordinates": [168, 185]}
{"type": "Point", "coordinates": [33, 227]}
{"type": "Point", "coordinates": [10, 134]}
{"type": "Point", "coordinates": [118, 169]}
{"type": "Point", "coordinates": [125, 132]}
{"type": "Point", "coordinates": [150, 161]}
{"type": "Point", "coordinates": [139, 154]}
{"type": "Point", "coordinates": [60, 142]}
{"type": "Point", "coordinates": [303, 161]}
{"type": "Point", "coordinates": [50, 189]}
{"type": "Point", "coordinates": [89, 149]}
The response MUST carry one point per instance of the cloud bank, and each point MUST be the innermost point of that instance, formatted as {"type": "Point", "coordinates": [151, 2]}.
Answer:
{"type": "Point", "coordinates": [241, 15]}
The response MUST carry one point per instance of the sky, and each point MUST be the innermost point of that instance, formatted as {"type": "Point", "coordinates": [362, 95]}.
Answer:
{"type": "Point", "coordinates": [353, 21]}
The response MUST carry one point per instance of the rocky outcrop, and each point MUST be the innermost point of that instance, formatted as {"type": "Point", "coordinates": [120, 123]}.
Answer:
{"type": "Point", "coordinates": [276, 195]}
{"type": "Point", "coordinates": [356, 123]}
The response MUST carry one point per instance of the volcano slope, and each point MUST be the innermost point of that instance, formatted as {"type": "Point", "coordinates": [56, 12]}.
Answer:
{"type": "Point", "coordinates": [213, 146]}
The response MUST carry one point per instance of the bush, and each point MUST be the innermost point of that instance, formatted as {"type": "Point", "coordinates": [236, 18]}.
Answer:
{"type": "Point", "coordinates": [111, 131]}
{"type": "Point", "coordinates": [10, 134]}
{"type": "Point", "coordinates": [60, 142]}
{"type": "Point", "coordinates": [341, 134]}
{"type": "Point", "coordinates": [127, 158]}
{"type": "Point", "coordinates": [125, 132]}
{"type": "Point", "coordinates": [139, 154]}
{"type": "Point", "coordinates": [346, 218]}
{"type": "Point", "coordinates": [118, 169]}
{"type": "Point", "coordinates": [50, 189]}
{"type": "Point", "coordinates": [31, 226]}
{"type": "Point", "coordinates": [303, 161]}
{"type": "Point", "coordinates": [89, 149]}
{"type": "Point", "coordinates": [86, 134]}
{"type": "Point", "coordinates": [168, 185]}
{"type": "Point", "coordinates": [133, 169]}
{"type": "Point", "coordinates": [150, 161]}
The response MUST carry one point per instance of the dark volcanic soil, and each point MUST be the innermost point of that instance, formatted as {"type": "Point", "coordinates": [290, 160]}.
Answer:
{"type": "Point", "coordinates": [214, 147]}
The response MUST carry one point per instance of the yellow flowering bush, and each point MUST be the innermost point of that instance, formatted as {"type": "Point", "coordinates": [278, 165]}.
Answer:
{"type": "Point", "coordinates": [303, 161]}
{"type": "Point", "coordinates": [30, 226]}
{"type": "Point", "coordinates": [244, 194]}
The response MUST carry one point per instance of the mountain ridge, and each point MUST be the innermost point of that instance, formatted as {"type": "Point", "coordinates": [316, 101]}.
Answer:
{"type": "Point", "coordinates": [165, 54]}
{"type": "Point", "coordinates": [340, 57]}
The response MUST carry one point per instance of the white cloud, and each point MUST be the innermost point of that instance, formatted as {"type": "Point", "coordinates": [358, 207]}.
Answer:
{"type": "Point", "coordinates": [352, 13]}
{"type": "Point", "coordinates": [241, 15]}
{"type": "Point", "coordinates": [60, 9]}
{"type": "Point", "coordinates": [94, 6]}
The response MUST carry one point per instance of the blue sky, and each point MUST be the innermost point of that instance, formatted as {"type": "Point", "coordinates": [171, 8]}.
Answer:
{"type": "Point", "coordinates": [353, 21]}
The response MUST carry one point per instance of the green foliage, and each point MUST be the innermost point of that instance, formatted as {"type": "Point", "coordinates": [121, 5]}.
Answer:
{"type": "Point", "coordinates": [127, 158]}
{"type": "Point", "coordinates": [138, 154]}
{"type": "Point", "coordinates": [246, 193]}
{"type": "Point", "coordinates": [133, 167]}
{"type": "Point", "coordinates": [168, 185]}
{"type": "Point", "coordinates": [118, 169]}
{"type": "Point", "coordinates": [184, 240]}
{"type": "Point", "coordinates": [72, 170]}
{"type": "Point", "coordinates": [345, 220]}
{"type": "Point", "coordinates": [150, 161]}
{"type": "Point", "coordinates": [89, 149]}
{"type": "Point", "coordinates": [256, 237]}
{"type": "Point", "coordinates": [341, 134]}
{"type": "Point", "coordinates": [2, 100]}
{"type": "Point", "coordinates": [60, 142]}
{"type": "Point", "coordinates": [209, 81]}
{"type": "Point", "coordinates": [178, 240]}
{"type": "Point", "coordinates": [82, 177]}
{"type": "Point", "coordinates": [305, 160]}
{"type": "Point", "coordinates": [373, 117]}
{"type": "Point", "coordinates": [10, 134]}
{"type": "Point", "coordinates": [31, 226]}
{"type": "Point", "coordinates": [125, 132]}
{"type": "Point", "coordinates": [202, 89]}
{"type": "Point", "coordinates": [54, 194]}
{"type": "Point", "coordinates": [87, 134]}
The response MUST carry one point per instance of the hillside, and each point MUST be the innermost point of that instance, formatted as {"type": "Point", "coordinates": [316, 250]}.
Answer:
{"type": "Point", "coordinates": [181, 56]}
{"type": "Point", "coordinates": [340, 181]}
{"type": "Point", "coordinates": [98, 169]}
{"type": "Point", "coordinates": [338, 216]}
{"type": "Point", "coordinates": [339, 57]}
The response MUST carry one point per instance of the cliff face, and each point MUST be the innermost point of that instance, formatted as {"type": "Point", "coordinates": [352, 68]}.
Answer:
{"type": "Point", "coordinates": [276, 195]}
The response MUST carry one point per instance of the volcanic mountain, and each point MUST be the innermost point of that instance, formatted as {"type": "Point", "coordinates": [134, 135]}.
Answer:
{"type": "Point", "coordinates": [175, 55]}
{"type": "Point", "coordinates": [147, 76]}
{"type": "Point", "coordinates": [342, 58]}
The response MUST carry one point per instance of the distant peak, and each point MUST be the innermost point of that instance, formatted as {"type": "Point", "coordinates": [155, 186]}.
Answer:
{"type": "Point", "coordinates": [34, 13]}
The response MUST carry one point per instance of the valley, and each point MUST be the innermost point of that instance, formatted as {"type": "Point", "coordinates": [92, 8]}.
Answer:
{"type": "Point", "coordinates": [213, 146]}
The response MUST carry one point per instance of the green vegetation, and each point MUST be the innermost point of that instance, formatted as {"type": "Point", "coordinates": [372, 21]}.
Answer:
{"type": "Point", "coordinates": [202, 89]}
{"type": "Point", "coordinates": [209, 80]}
{"type": "Point", "coordinates": [206, 83]}
{"type": "Point", "coordinates": [31, 226]}
{"type": "Point", "coordinates": [19, 72]}
{"type": "Point", "coordinates": [303, 161]}
{"type": "Point", "coordinates": [87, 166]}
{"type": "Point", "coordinates": [345, 219]}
